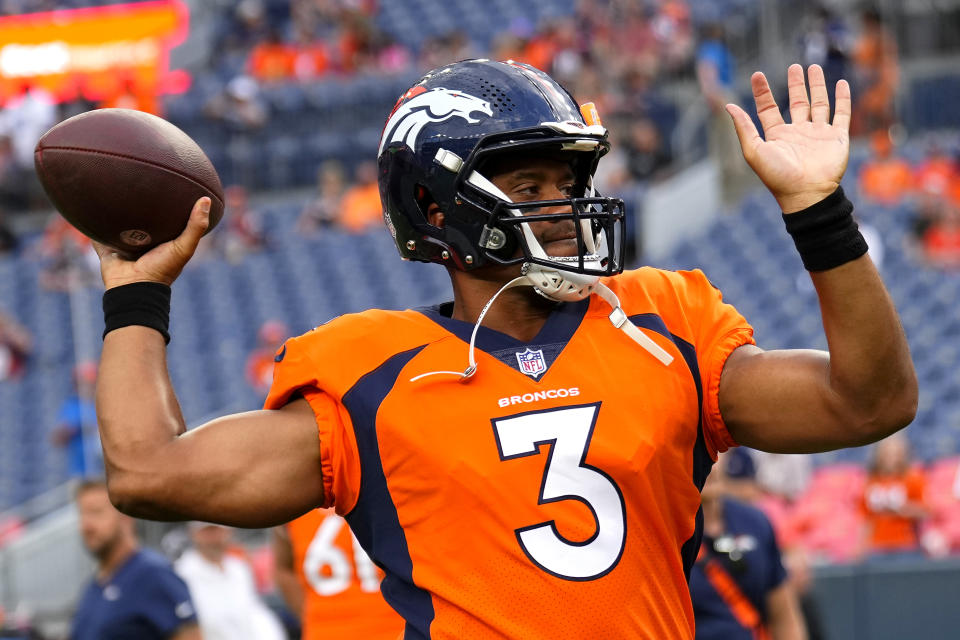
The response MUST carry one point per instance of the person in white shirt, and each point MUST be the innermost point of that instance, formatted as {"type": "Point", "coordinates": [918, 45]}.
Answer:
{"type": "Point", "coordinates": [223, 588]}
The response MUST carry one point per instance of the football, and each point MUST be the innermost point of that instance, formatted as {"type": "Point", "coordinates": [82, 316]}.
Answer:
{"type": "Point", "coordinates": [126, 178]}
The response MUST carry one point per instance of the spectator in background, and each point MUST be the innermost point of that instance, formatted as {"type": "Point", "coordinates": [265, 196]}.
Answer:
{"type": "Point", "coordinates": [239, 106]}
{"type": "Point", "coordinates": [68, 256]}
{"type": "Point", "coordinates": [826, 41]}
{"type": "Point", "coordinates": [673, 31]}
{"type": "Point", "coordinates": [357, 44]}
{"type": "Point", "coordinates": [941, 240]}
{"type": "Point", "coordinates": [134, 593]}
{"type": "Point", "coordinates": [391, 56]}
{"type": "Point", "coordinates": [885, 178]}
{"type": "Point", "coordinates": [893, 503]}
{"type": "Point", "coordinates": [24, 119]}
{"type": "Point", "coordinates": [444, 49]}
{"type": "Point", "coordinates": [272, 60]}
{"type": "Point", "coordinates": [261, 360]}
{"type": "Point", "coordinates": [875, 77]}
{"type": "Point", "coordinates": [738, 584]}
{"type": "Point", "coordinates": [935, 181]}
{"type": "Point", "coordinates": [311, 57]}
{"type": "Point", "coordinates": [223, 588]}
{"type": "Point", "coordinates": [14, 192]}
{"type": "Point", "coordinates": [329, 582]}
{"type": "Point", "coordinates": [797, 563]}
{"type": "Point", "coordinates": [242, 232]}
{"type": "Point", "coordinates": [324, 208]}
{"type": "Point", "coordinates": [362, 209]}
{"type": "Point", "coordinates": [786, 475]}
{"type": "Point", "coordinates": [715, 72]}
{"type": "Point", "coordinates": [8, 239]}
{"type": "Point", "coordinates": [16, 345]}
{"type": "Point", "coordinates": [646, 153]}
{"type": "Point", "coordinates": [76, 429]}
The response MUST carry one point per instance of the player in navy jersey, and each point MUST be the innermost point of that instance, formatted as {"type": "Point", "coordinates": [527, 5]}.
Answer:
{"type": "Point", "coordinates": [135, 593]}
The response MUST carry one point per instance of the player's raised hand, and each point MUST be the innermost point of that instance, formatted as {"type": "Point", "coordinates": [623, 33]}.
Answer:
{"type": "Point", "coordinates": [801, 162]}
{"type": "Point", "coordinates": [161, 264]}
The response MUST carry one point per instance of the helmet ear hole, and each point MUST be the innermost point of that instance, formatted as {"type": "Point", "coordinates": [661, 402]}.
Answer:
{"type": "Point", "coordinates": [428, 206]}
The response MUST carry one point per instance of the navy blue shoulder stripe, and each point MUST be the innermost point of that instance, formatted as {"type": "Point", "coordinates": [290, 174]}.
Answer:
{"type": "Point", "coordinates": [374, 519]}
{"type": "Point", "coordinates": [702, 463]}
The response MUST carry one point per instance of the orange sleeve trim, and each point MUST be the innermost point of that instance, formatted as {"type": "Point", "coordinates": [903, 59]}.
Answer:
{"type": "Point", "coordinates": [716, 434]}
{"type": "Point", "coordinates": [322, 412]}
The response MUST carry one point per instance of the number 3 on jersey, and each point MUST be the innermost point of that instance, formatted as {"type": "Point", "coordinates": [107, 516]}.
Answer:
{"type": "Point", "coordinates": [327, 567]}
{"type": "Point", "coordinates": [567, 476]}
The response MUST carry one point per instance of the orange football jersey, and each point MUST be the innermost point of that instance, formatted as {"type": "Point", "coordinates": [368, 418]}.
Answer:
{"type": "Point", "coordinates": [341, 585]}
{"type": "Point", "coordinates": [556, 493]}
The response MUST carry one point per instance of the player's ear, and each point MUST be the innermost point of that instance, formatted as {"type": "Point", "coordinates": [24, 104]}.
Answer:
{"type": "Point", "coordinates": [434, 215]}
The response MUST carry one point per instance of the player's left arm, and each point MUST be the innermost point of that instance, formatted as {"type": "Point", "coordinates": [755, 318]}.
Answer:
{"type": "Point", "coordinates": [784, 620]}
{"type": "Point", "coordinates": [865, 388]}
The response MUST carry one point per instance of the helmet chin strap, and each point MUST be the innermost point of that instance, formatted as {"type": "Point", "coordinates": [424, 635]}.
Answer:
{"type": "Point", "coordinates": [558, 285]}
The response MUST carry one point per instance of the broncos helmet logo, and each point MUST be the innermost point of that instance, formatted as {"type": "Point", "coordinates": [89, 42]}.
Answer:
{"type": "Point", "coordinates": [436, 105]}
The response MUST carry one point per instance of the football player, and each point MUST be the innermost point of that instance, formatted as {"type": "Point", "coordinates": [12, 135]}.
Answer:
{"type": "Point", "coordinates": [329, 581]}
{"type": "Point", "coordinates": [526, 460]}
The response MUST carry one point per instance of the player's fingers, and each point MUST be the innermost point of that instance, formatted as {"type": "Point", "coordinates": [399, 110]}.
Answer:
{"type": "Point", "coordinates": [767, 109]}
{"type": "Point", "coordinates": [746, 130]}
{"type": "Point", "coordinates": [186, 243]}
{"type": "Point", "coordinates": [797, 90]}
{"type": "Point", "coordinates": [842, 110]}
{"type": "Point", "coordinates": [819, 99]}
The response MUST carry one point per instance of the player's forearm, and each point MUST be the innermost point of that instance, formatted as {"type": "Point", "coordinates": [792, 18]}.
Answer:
{"type": "Point", "coordinates": [870, 373]}
{"type": "Point", "coordinates": [290, 589]}
{"type": "Point", "coordinates": [137, 410]}
{"type": "Point", "coordinates": [785, 621]}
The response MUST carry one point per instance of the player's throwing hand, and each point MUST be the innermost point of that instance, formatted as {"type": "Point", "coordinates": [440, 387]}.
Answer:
{"type": "Point", "coordinates": [161, 264]}
{"type": "Point", "coordinates": [801, 162]}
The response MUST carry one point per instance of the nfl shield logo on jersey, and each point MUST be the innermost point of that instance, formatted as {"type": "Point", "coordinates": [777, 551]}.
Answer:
{"type": "Point", "coordinates": [531, 362]}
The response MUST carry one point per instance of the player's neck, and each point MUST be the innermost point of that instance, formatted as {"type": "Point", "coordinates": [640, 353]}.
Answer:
{"type": "Point", "coordinates": [114, 558]}
{"type": "Point", "coordinates": [519, 313]}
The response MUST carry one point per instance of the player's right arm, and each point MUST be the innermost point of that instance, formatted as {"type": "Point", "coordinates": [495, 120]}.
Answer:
{"type": "Point", "coordinates": [284, 571]}
{"type": "Point", "coordinates": [784, 618]}
{"type": "Point", "coordinates": [254, 469]}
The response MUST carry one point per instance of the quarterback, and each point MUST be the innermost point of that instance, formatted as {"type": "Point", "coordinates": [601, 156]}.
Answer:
{"type": "Point", "coordinates": [526, 460]}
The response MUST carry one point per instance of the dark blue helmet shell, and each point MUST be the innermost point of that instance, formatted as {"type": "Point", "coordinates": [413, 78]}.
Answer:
{"type": "Point", "coordinates": [446, 125]}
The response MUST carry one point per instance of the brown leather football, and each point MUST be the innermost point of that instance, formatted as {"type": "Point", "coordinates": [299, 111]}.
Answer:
{"type": "Point", "coordinates": [126, 178]}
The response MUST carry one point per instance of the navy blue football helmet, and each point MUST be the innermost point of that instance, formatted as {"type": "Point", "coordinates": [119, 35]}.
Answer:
{"type": "Point", "coordinates": [435, 144]}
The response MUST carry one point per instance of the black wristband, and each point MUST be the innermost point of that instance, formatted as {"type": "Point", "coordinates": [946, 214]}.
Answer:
{"type": "Point", "coordinates": [825, 234]}
{"type": "Point", "coordinates": [146, 304]}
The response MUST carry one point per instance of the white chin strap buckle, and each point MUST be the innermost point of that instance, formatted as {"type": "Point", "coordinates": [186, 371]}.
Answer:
{"type": "Point", "coordinates": [559, 286]}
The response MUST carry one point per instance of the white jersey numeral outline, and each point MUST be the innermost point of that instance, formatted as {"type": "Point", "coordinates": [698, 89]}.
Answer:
{"type": "Point", "coordinates": [567, 431]}
{"type": "Point", "coordinates": [323, 552]}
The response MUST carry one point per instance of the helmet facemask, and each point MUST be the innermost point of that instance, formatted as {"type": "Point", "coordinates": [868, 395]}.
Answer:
{"type": "Point", "coordinates": [508, 238]}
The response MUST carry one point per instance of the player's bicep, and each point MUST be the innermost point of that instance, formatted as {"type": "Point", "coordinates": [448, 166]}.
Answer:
{"type": "Point", "coordinates": [781, 401]}
{"type": "Point", "coordinates": [254, 469]}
